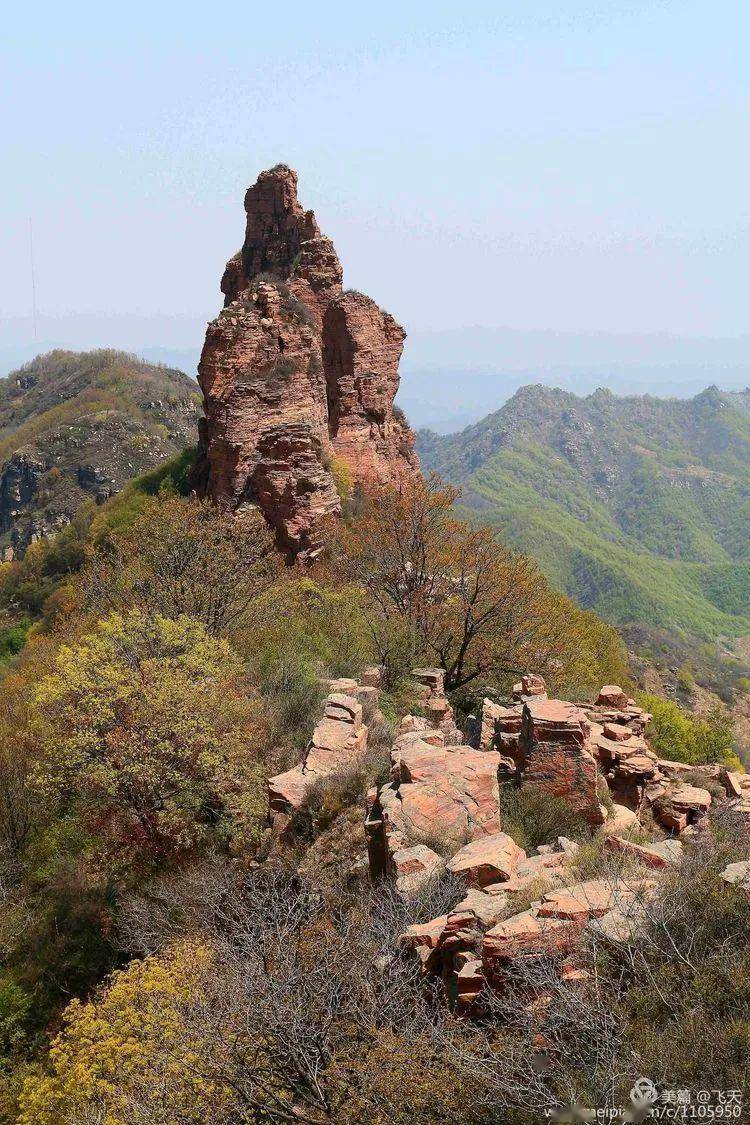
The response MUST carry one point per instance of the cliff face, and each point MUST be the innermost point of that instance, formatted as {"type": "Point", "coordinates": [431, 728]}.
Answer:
{"type": "Point", "coordinates": [298, 377]}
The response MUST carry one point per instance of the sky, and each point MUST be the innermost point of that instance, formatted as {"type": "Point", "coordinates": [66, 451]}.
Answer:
{"type": "Point", "coordinates": [558, 171]}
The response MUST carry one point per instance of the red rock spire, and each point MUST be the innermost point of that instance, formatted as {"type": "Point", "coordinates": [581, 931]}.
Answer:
{"type": "Point", "coordinates": [298, 377]}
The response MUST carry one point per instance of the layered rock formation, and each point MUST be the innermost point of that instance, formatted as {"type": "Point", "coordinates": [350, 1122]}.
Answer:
{"type": "Point", "coordinates": [441, 812]}
{"type": "Point", "coordinates": [556, 755]}
{"type": "Point", "coordinates": [298, 377]}
{"type": "Point", "coordinates": [338, 741]}
{"type": "Point", "coordinates": [440, 792]}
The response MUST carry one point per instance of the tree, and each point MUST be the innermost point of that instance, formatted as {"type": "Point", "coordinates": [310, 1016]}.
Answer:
{"type": "Point", "coordinates": [128, 1057]}
{"type": "Point", "coordinates": [682, 737]}
{"type": "Point", "coordinates": [301, 984]}
{"type": "Point", "coordinates": [146, 733]}
{"type": "Point", "coordinates": [184, 556]}
{"type": "Point", "coordinates": [472, 606]}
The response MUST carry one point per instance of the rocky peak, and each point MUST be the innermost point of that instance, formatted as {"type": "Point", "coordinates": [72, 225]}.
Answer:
{"type": "Point", "coordinates": [282, 240]}
{"type": "Point", "coordinates": [298, 377]}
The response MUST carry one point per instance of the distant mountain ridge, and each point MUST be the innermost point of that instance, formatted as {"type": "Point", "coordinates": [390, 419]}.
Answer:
{"type": "Point", "coordinates": [637, 507]}
{"type": "Point", "coordinates": [76, 426]}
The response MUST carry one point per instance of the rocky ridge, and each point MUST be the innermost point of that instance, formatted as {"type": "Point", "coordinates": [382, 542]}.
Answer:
{"type": "Point", "coordinates": [298, 377]}
{"type": "Point", "coordinates": [441, 809]}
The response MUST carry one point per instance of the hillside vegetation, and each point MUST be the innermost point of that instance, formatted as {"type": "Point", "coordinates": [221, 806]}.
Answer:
{"type": "Point", "coordinates": [78, 425]}
{"type": "Point", "coordinates": [638, 508]}
{"type": "Point", "coordinates": [168, 957]}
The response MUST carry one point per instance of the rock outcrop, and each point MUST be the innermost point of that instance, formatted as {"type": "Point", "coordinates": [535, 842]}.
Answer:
{"type": "Point", "coordinates": [556, 755]}
{"type": "Point", "coordinates": [443, 793]}
{"type": "Point", "coordinates": [298, 377]}
{"type": "Point", "coordinates": [339, 741]}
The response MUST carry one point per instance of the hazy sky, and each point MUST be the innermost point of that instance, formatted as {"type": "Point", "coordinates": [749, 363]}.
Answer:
{"type": "Point", "coordinates": [566, 166]}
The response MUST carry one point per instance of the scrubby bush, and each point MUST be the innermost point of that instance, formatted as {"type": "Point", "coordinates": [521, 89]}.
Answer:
{"type": "Point", "coordinates": [146, 736]}
{"type": "Point", "coordinates": [682, 737]}
{"type": "Point", "coordinates": [533, 817]}
{"type": "Point", "coordinates": [182, 557]}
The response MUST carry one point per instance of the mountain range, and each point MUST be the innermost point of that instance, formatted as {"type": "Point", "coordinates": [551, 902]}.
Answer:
{"type": "Point", "coordinates": [637, 507]}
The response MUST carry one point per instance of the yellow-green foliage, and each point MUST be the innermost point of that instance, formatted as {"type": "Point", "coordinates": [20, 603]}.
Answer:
{"type": "Point", "coordinates": [342, 477]}
{"type": "Point", "coordinates": [300, 620]}
{"type": "Point", "coordinates": [681, 737]}
{"type": "Point", "coordinates": [130, 1047]}
{"type": "Point", "coordinates": [146, 733]}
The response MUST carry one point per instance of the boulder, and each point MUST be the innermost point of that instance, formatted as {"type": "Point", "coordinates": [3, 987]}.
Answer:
{"type": "Point", "coordinates": [372, 676]}
{"type": "Point", "coordinates": [487, 909]}
{"type": "Point", "coordinates": [666, 853]}
{"type": "Point", "coordinates": [611, 695]}
{"type": "Point", "coordinates": [681, 805]}
{"type": "Point", "coordinates": [617, 732]}
{"type": "Point", "coordinates": [413, 867]}
{"type": "Point", "coordinates": [737, 875]}
{"type": "Point", "coordinates": [620, 821]}
{"type": "Point", "coordinates": [582, 901]}
{"type": "Point", "coordinates": [690, 798]}
{"type": "Point", "coordinates": [529, 686]}
{"type": "Point", "coordinates": [431, 678]}
{"type": "Point", "coordinates": [527, 934]}
{"type": "Point", "coordinates": [490, 859]}
{"type": "Point", "coordinates": [424, 938]}
{"type": "Point", "coordinates": [734, 783]}
{"type": "Point", "coordinates": [548, 869]}
{"type": "Point", "coordinates": [445, 793]}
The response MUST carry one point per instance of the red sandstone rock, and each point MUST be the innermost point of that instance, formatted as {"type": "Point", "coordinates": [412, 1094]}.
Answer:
{"type": "Point", "coordinates": [487, 908]}
{"type": "Point", "coordinates": [469, 984]}
{"type": "Point", "coordinates": [667, 853]}
{"type": "Point", "coordinates": [526, 934]}
{"type": "Point", "coordinates": [737, 875]}
{"type": "Point", "coordinates": [680, 805]}
{"type": "Point", "coordinates": [339, 739]}
{"type": "Point", "coordinates": [413, 867]}
{"type": "Point", "coordinates": [296, 376]}
{"type": "Point", "coordinates": [555, 755]}
{"type": "Point", "coordinates": [528, 686]}
{"type": "Point", "coordinates": [582, 901]}
{"type": "Point", "coordinates": [613, 696]}
{"type": "Point", "coordinates": [690, 798]}
{"type": "Point", "coordinates": [620, 821]}
{"type": "Point", "coordinates": [617, 732]}
{"type": "Point", "coordinates": [500, 727]}
{"type": "Point", "coordinates": [548, 870]}
{"type": "Point", "coordinates": [444, 793]}
{"type": "Point", "coordinates": [672, 819]}
{"type": "Point", "coordinates": [490, 859]}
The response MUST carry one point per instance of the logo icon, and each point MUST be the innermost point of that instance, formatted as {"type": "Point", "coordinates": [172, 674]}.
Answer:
{"type": "Point", "coordinates": [643, 1092]}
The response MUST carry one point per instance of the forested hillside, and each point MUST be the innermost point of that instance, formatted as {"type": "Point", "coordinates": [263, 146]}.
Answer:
{"type": "Point", "coordinates": [638, 508]}
{"type": "Point", "coordinates": [76, 426]}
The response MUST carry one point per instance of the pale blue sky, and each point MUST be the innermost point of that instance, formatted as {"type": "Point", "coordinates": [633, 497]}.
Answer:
{"type": "Point", "coordinates": [573, 167]}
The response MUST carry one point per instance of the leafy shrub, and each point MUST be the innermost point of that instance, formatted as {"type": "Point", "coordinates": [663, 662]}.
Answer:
{"type": "Point", "coordinates": [532, 817]}
{"type": "Point", "coordinates": [146, 736]}
{"type": "Point", "coordinates": [681, 737]}
{"type": "Point", "coordinates": [13, 639]}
